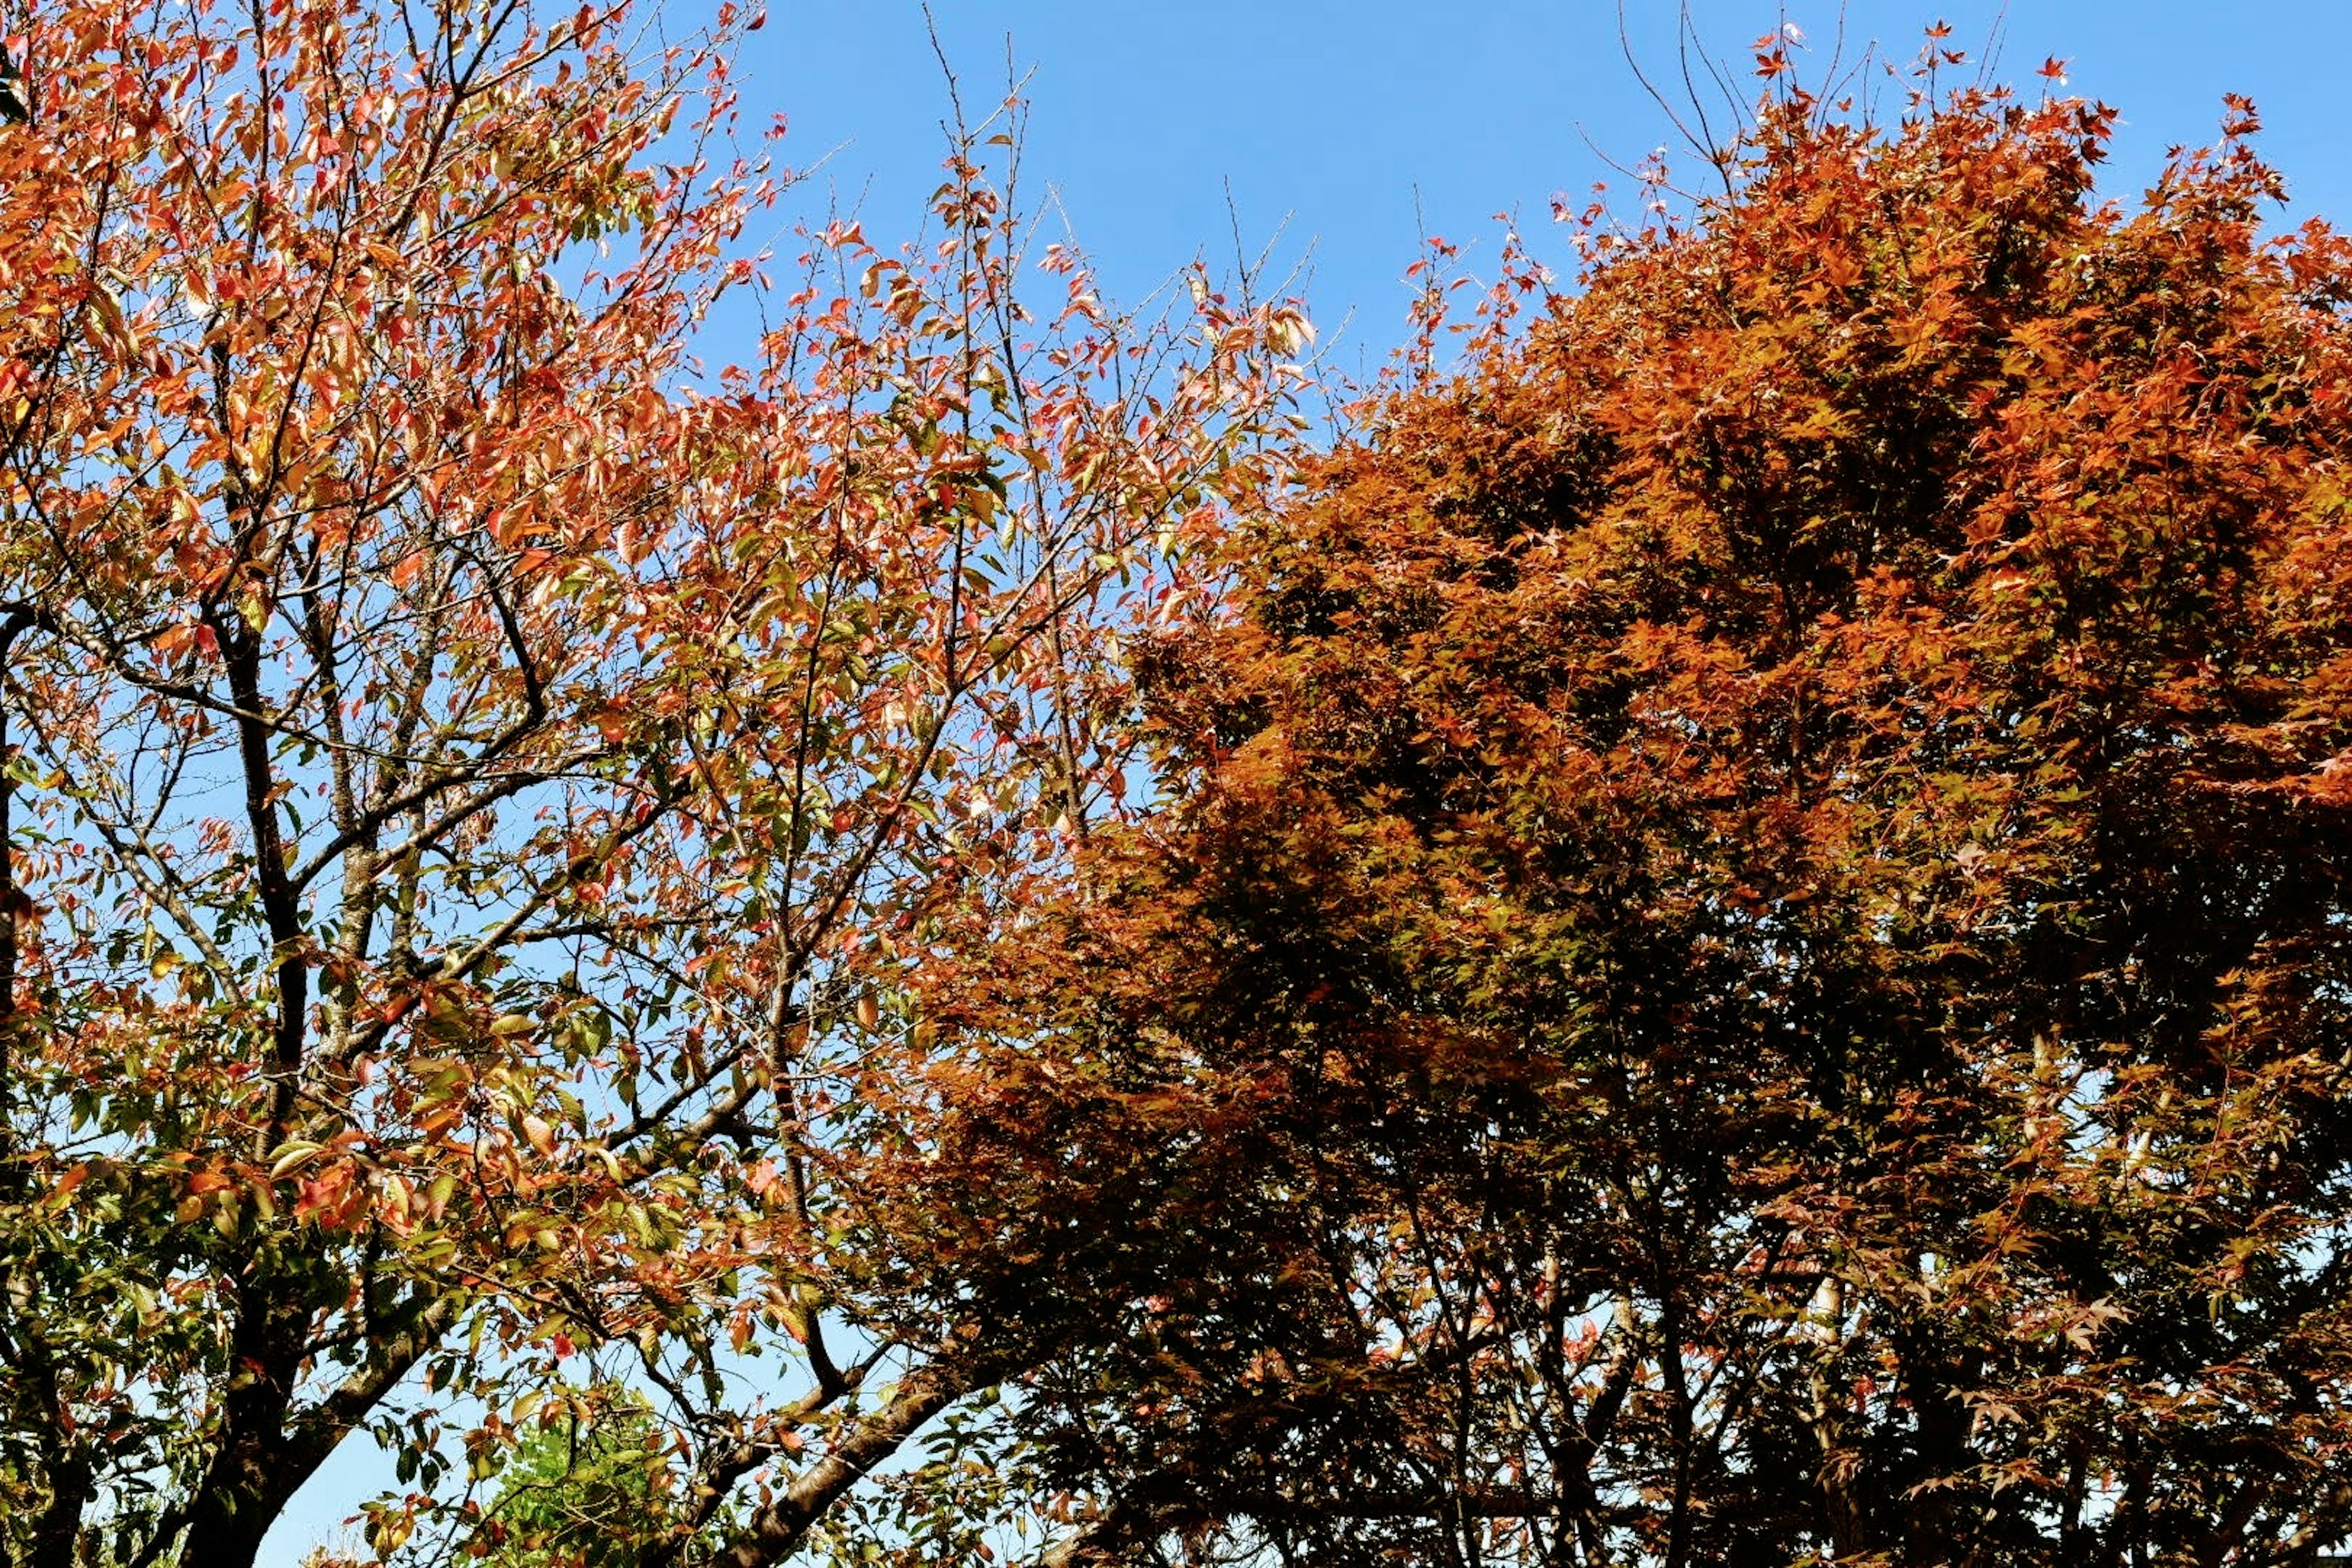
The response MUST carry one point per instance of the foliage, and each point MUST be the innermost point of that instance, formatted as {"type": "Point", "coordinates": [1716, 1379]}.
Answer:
{"type": "Point", "coordinates": [589, 1488]}
{"type": "Point", "coordinates": [475, 775]}
{"type": "Point", "coordinates": [1750, 961]}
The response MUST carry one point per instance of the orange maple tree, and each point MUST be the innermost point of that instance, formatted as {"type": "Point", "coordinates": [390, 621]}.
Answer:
{"type": "Point", "coordinates": [1749, 962]}
{"type": "Point", "coordinates": [474, 774]}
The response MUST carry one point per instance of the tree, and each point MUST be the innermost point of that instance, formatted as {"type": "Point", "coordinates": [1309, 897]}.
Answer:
{"type": "Point", "coordinates": [474, 777]}
{"type": "Point", "coordinates": [1749, 961]}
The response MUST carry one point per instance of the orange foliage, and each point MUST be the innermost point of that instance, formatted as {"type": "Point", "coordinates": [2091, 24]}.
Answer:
{"type": "Point", "coordinates": [1752, 962]}
{"type": "Point", "coordinates": [476, 774]}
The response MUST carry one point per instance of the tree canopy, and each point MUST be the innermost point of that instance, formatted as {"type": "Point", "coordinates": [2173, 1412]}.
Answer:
{"type": "Point", "coordinates": [476, 772]}
{"type": "Point", "coordinates": [1718, 935]}
{"type": "Point", "coordinates": [1747, 962]}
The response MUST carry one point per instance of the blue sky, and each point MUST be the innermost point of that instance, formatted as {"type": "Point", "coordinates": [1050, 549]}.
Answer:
{"type": "Point", "coordinates": [1340, 117]}
{"type": "Point", "coordinates": [1334, 122]}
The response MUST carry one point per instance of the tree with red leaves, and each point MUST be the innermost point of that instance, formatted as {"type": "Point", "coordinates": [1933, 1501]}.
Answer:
{"type": "Point", "coordinates": [1750, 960]}
{"type": "Point", "coordinates": [475, 774]}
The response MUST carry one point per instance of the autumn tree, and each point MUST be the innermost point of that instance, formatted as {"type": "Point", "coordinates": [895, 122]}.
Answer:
{"type": "Point", "coordinates": [478, 750]}
{"type": "Point", "coordinates": [1749, 957]}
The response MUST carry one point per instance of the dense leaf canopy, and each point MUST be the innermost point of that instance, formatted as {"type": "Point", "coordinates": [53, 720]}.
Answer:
{"type": "Point", "coordinates": [1751, 959]}
{"type": "Point", "coordinates": [1722, 939]}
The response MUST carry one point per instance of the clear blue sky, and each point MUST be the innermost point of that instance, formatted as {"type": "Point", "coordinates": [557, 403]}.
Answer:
{"type": "Point", "coordinates": [1339, 116]}
{"type": "Point", "coordinates": [1335, 115]}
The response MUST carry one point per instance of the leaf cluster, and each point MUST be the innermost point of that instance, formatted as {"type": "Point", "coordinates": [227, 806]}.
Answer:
{"type": "Point", "coordinates": [1750, 960]}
